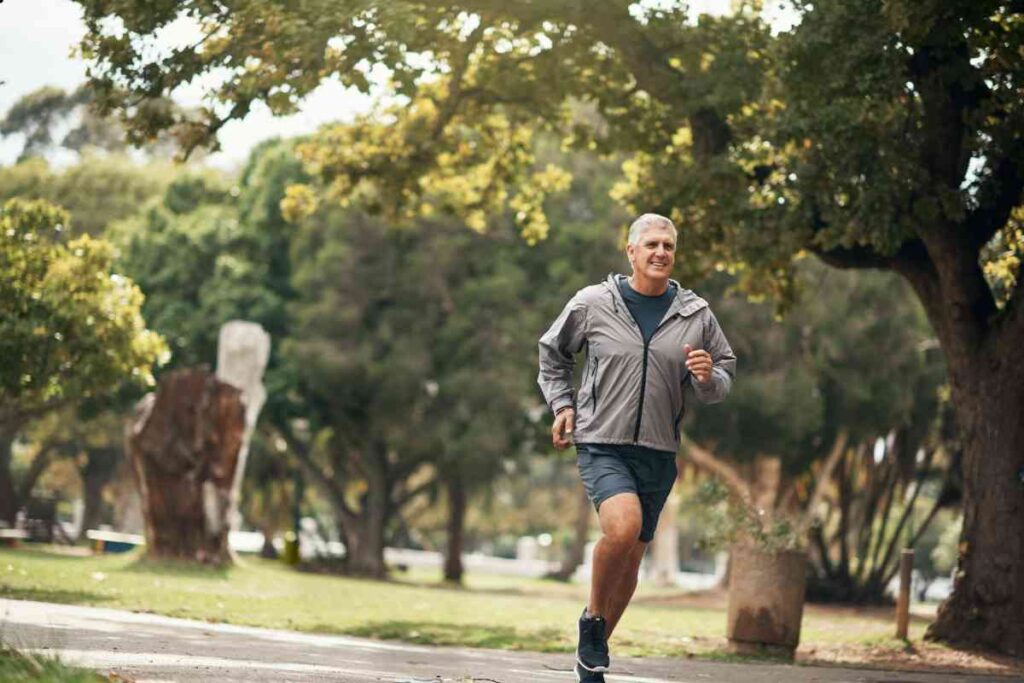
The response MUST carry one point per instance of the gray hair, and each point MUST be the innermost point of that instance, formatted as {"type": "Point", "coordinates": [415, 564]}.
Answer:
{"type": "Point", "coordinates": [647, 222]}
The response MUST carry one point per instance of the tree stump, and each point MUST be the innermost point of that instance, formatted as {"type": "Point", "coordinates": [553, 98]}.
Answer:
{"type": "Point", "coordinates": [183, 444]}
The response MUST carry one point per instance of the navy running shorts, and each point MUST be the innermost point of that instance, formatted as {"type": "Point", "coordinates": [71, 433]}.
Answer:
{"type": "Point", "coordinates": [610, 469]}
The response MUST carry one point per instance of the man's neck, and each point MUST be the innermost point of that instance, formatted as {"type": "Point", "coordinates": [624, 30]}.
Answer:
{"type": "Point", "coordinates": [647, 286]}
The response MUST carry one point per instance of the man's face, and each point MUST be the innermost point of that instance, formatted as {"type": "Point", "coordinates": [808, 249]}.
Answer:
{"type": "Point", "coordinates": [654, 254]}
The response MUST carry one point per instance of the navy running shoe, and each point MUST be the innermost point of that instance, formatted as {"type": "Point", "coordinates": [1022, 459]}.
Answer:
{"type": "Point", "coordinates": [584, 676]}
{"type": "Point", "coordinates": [592, 650]}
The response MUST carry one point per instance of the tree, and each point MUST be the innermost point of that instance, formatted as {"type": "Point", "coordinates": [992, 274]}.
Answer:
{"type": "Point", "coordinates": [191, 254]}
{"type": "Point", "coordinates": [403, 345]}
{"type": "Point", "coordinates": [49, 118]}
{"type": "Point", "coordinates": [184, 442]}
{"type": "Point", "coordinates": [96, 191]}
{"type": "Point", "coordinates": [91, 436]}
{"type": "Point", "coordinates": [70, 327]}
{"type": "Point", "coordinates": [873, 134]}
{"type": "Point", "coordinates": [799, 433]}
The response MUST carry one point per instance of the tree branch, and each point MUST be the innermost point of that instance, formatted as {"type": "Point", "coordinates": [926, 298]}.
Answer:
{"type": "Point", "coordinates": [822, 480]}
{"type": "Point", "coordinates": [704, 459]}
{"type": "Point", "coordinates": [936, 506]}
{"type": "Point", "coordinates": [402, 499]}
{"type": "Point", "coordinates": [880, 571]}
{"type": "Point", "coordinates": [305, 458]}
{"type": "Point", "coordinates": [647, 62]}
{"type": "Point", "coordinates": [998, 196]}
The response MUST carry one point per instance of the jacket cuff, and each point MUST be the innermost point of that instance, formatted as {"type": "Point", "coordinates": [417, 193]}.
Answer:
{"type": "Point", "coordinates": [562, 402]}
{"type": "Point", "coordinates": [716, 389]}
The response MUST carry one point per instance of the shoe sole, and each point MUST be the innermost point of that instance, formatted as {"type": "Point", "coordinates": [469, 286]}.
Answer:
{"type": "Point", "coordinates": [594, 670]}
{"type": "Point", "coordinates": [579, 678]}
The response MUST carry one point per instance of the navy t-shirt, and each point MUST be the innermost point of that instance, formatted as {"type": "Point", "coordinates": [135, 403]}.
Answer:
{"type": "Point", "coordinates": [648, 312]}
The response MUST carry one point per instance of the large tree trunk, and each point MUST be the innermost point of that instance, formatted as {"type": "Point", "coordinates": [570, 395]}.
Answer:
{"type": "Point", "coordinates": [8, 495]}
{"type": "Point", "coordinates": [987, 604]}
{"type": "Point", "coordinates": [364, 530]}
{"type": "Point", "coordinates": [982, 348]}
{"type": "Point", "coordinates": [364, 549]}
{"type": "Point", "coordinates": [456, 527]}
{"type": "Point", "coordinates": [183, 444]}
{"type": "Point", "coordinates": [96, 474]}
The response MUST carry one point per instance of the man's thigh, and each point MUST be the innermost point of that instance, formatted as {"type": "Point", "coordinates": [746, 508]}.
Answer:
{"type": "Point", "coordinates": [619, 511]}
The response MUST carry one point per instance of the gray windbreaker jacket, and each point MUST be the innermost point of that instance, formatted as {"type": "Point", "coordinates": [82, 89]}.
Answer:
{"type": "Point", "coordinates": [631, 393]}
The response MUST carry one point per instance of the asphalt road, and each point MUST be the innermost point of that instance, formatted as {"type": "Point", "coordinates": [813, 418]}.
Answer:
{"type": "Point", "coordinates": [150, 648]}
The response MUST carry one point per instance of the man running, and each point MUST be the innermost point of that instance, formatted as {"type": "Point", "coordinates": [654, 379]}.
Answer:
{"type": "Point", "coordinates": [648, 341]}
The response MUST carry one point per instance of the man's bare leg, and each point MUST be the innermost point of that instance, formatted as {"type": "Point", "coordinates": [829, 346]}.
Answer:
{"type": "Point", "coordinates": [627, 586]}
{"type": "Point", "coordinates": [620, 518]}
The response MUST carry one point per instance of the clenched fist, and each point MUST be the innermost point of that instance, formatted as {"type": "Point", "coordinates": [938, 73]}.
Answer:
{"type": "Point", "coordinates": [698, 362]}
{"type": "Point", "coordinates": [561, 429]}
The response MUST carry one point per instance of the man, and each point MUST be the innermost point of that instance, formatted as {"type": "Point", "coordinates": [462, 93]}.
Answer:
{"type": "Point", "coordinates": [648, 342]}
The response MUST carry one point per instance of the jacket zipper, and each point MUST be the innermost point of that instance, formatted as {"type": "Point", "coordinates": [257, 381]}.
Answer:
{"type": "Point", "coordinates": [643, 391]}
{"type": "Point", "coordinates": [643, 376]}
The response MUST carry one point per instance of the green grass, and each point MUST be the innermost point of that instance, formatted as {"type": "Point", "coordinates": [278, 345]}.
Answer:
{"type": "Point", "coordinates": [18, 667]}
{"type": "Point", "coordinates": [490, 611]}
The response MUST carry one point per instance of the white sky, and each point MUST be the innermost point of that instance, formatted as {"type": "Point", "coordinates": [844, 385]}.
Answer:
{"type": "Point", "coordinates": [36, 37]}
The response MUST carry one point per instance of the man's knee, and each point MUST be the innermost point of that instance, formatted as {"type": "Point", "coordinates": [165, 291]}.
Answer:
{"type": "Point", "coordinates": [621, 519]}
{"type": "Point", "coordinates": [622, 534]}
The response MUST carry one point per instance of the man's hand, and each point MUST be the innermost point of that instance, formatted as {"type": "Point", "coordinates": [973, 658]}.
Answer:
{"type": "Point", "coordinates": [698, 362]}
{"type": "Point", "coordinates": [561, 429]}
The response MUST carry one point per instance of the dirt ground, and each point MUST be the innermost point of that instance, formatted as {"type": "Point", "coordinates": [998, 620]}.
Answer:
{"type": "Point", "coordinates": [916, 655]}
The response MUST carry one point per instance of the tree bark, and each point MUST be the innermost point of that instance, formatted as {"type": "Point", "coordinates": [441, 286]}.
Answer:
{"type": "Point", "coordinates": [456, 527]}
{"type": "Point", "coordinates": [183, 444]}
{"type": "Point", "coordinates": [36, 468]}
{"type": "Point", "coordinates": [986, 607]}
{"type": "Point", "coordinates": [364, 549]}
{"type": "Point", "coordinates": [364, 530]}
{"type": "Point", "coordinates": [96, 474]}
{"type": "Point", "coordinates": [8, 495]}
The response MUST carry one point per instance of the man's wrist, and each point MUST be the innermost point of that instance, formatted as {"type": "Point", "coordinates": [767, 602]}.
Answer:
{"type": "Point", "coordinates": [563, 409]}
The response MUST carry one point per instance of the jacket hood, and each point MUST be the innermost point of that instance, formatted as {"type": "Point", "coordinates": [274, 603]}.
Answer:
{"type": "Point", "coordinates": [686, 303]}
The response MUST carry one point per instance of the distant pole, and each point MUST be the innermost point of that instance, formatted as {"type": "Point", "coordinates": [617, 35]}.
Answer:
{"type": "Point", "coordinates": [903, 601]}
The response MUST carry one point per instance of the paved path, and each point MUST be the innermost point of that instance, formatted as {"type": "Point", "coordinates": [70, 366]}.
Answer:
{"type": "Point", "coordinates": [154, 648]}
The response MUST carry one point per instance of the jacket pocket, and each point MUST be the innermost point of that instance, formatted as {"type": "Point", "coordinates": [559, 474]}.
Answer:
{"type": "Point", "coordinates": [679, 417]}
{"type": "Point", "coordinates": [593, 385]}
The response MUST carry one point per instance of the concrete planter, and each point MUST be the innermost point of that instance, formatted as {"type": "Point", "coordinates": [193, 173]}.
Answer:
{"type": "Point", "coordinates": [766, 600]}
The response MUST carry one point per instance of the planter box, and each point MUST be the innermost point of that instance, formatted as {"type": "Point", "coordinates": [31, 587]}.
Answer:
{"type": "Point", "coordinates": [766, 601]}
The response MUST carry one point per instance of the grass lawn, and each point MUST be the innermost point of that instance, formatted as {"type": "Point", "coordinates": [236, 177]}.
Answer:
{"type": "Point", "coordinates": [16, 667]}
{"type": "Point", "coordinates": [490, 611]}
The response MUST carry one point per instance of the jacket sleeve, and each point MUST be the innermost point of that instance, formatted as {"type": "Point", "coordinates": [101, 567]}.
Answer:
{"type": "Point", "coordinates": [724, 364]}
{"type": "Point", "coordinates": [558, 345]}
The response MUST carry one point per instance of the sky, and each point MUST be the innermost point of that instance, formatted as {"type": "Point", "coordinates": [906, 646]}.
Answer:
{"type": "Point", "coordinates": [36, 38]}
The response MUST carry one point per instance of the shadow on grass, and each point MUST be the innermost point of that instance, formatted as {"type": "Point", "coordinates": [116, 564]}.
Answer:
{"type": "Point", "coordinates": [42, 552]}
{"type": "Point", "coordinates": [67, 597]}
{"type": "Point", "coordinates": [464, 635]}
{"type": "Point", "coordinates": [176, 568]}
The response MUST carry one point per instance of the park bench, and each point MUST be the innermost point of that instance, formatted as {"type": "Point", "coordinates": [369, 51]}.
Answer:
{"type": "Point", "coordinates": [11, 538]}
{"type": "Point", "coordinates": [106, 541]}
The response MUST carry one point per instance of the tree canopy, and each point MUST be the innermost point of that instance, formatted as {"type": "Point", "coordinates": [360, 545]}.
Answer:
{"type": "Point", "coordinates": [70, 326]}
{"type": "Point", "coordinates": [873, 134]}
